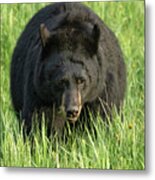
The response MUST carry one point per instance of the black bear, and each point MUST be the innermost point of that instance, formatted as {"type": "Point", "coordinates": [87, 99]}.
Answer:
{"type": "Point", "coordinates": [66, 60]}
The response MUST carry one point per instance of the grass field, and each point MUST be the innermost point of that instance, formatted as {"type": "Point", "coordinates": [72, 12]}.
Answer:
{"type": "Point", "coordinates": [122, 145]}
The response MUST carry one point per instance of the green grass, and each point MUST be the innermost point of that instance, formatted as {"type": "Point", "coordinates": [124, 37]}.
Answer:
{"type": "Point", "coordinates": [121, 146]}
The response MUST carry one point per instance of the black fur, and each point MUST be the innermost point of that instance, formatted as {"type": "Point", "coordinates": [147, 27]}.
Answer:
{"type": "Point", "coordinates": [79, 44]}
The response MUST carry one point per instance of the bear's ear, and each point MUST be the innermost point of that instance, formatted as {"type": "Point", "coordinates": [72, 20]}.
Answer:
{"type": "Point", "coordinates": [45, 34]}
{"type": "Point", "coordinates": [96, 36]}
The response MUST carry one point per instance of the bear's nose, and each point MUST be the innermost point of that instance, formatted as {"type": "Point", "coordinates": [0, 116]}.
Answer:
{"type": "Point", "coordinates": [72, 113]}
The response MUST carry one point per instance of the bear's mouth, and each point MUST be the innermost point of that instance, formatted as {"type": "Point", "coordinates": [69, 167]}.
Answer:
{"type": "Point", "coordinates": [72, 120]}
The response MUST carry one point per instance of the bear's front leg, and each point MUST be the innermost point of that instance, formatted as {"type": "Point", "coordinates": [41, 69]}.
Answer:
{"type": "Point", "coordinates": [29, 106]}
{"type": "Point", "coordinates": [27, 113]}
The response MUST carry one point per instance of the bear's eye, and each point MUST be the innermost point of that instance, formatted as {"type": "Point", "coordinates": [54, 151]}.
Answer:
{"type": "Point", "coordinates": [80, 81]}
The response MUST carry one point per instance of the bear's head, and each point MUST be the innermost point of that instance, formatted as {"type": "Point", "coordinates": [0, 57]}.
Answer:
{"type": "Point", "coordinates": [67, 73]}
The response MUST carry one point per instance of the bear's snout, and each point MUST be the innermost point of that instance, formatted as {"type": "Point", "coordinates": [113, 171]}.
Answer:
{"type": "Point", "coordinates": [72, 105]}
{"type": "Point", "coordinates": [72, 113]}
